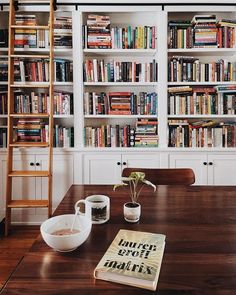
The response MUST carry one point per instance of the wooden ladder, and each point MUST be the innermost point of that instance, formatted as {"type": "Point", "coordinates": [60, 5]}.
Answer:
{"type": "Point", "coordinates": [10, 202]}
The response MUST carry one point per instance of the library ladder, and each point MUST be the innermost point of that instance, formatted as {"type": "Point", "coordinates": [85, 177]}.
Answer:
{"type": "Point", "coordinates": [46, 202]}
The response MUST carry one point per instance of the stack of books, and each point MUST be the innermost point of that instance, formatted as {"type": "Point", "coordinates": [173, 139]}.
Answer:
{"type": "Point", "coordinates": [3, 38]}
{"type": "Point", "coordinates": [120, 103]}
{"type": "Point", "coordinates": [205, 31]}
{"type": "Point", "coordinates": [62, 32]}
{"type": "Point", "coordinates": [31, 130]}
{"type": "Point", "coordinates": [146, 133]}
{"type": "Point", "coordinates": [3, 69]}
{"type": "Point", "coordinates": [98, 32]}
{"type": "Point", "coordinates": [25, 38]}
{"type": "Point", "coordinates": [25, 19]}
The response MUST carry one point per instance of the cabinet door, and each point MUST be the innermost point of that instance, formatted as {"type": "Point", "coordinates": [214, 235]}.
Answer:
{"type": "Point", "coordinates": [140, 160]}
{"type": "Point", "coordinates": [3, 171]}
{"type": "Point", "coordinates": [63, 171]}
{"type": "Point", "coordinates": [196, 161]}
{"type": "Point", "coordinates": [222, 169]}
{"type": "Point", "coordinates": [101, 168]}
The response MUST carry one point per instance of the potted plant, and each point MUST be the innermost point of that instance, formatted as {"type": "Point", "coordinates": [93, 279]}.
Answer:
{"type": "Point", "coordinates": [136, 182]}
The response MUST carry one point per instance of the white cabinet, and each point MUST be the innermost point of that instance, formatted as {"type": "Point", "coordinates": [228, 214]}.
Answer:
{"type": "Point", "coordinates": [36, 187]}
{"type": "Point", "coordinates": [107, 168]}
{"type": "Point", "coordinates": [209, 168]}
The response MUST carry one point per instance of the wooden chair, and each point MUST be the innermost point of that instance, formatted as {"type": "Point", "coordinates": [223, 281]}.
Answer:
{"type": "Point", "coordinates": [172, 176]}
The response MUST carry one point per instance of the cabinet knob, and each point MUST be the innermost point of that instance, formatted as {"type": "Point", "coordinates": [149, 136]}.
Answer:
{"type": "Point", "coordinates": [118, 163]}
{"type": "Point", "coordinates": [37, 164]}
{"type": "Point", "coordinates": [211, 163]}
{"type": "Point", "coordinates": [124, 163]}
{"type": "Point", "coordinates": [205, 163]}
{"type": "Point", "coordinates": [31, 164]}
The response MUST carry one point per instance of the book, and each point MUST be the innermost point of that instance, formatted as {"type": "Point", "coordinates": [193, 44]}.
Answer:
{"type": "Point", "coordinates": [133, 258]}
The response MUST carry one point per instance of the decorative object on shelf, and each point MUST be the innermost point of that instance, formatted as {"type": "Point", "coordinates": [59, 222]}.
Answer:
{"type": "Point", "coordinates": [136, 181]}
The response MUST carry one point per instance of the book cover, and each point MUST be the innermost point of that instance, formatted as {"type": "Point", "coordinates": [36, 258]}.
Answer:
{"type": "Point", "coordinates": [133, 258]}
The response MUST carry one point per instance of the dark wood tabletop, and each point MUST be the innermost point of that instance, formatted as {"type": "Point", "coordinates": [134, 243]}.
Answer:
{"type": "Point", "coordinates": [200, 254]}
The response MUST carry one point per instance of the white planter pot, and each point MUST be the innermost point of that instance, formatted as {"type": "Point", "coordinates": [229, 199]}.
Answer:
{"type": "Point", "coordinates": [132, 211]}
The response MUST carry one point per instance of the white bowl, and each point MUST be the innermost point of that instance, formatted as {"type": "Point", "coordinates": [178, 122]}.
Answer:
{"type": "Point", "coordinates": [70, 242]}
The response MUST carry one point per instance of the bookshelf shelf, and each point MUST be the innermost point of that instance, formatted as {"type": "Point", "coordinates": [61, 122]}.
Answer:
{"type": "Point", "coordinates": [201, 83]}
{"type": "Point", "coordinates": [63, 83]}
{"type": "Point", "coordinates": [118, 116]}
{"type": "Point", "coordinates": [29, 115]}
{"type": "Point", "coordinates": [3, 116]}
{"type": "Point", "coordinates": [3, 83]}
{"type": "Point", "coordinates": [28, 27]}
{"type": "Point", "coordinates": [63, 116]}
{"type": "Point", "coordinates": [201, 117]}
{"type": "Point", "coordinates": [118, 52]}
{"type": "Point", "coordinates": [120, 83]}
{"type": "Point", "coordinates": [31, 85]}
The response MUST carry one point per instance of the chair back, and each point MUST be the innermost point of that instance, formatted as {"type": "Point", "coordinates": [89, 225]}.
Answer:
{"type": "Point", "coordinates": [172, 176]}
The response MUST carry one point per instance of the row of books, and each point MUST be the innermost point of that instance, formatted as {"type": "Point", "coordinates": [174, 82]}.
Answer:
{"type": "Point", "coordinates": [205, 101]}
{"type": "Point", "coordinates": [37, 38]}
{"type": "Point", "coordinates": [204, 32]}
{"type": "Point", "coordinates": [36, 130]}
{"type": "Point", "coordinates": [141, 37]}
{"type": "Point", "coordinates": [202, 134]}
{"type": "Point", "coordinates": [3, 137]}
{"type": "Point", "coordinates": [3, 69]}
{"type": "Point", "coordinates": [37, 70]}
{"type": "Point", "coordinates": [3, 102]}
{"type": "Point", "coordinates": [109, 136]}
{"type": "Point", "coordinates": [188, 100]}
{"type": "Point", "coordinates": [183, 69]}
{"type": "Point", "coordinates": [3, 38]}
{"type": "Point", "coordinates": [146, 134]}
{"type": "Point", "coordinates": [120, 103]}
{"type": "Point", "coordinates": [143, 135]}
{"type": "Point", "coordinates": [37, 103]}
{"type": "Point", "coordinates": [117, 71]}
{"type": "Point", "coordinates": [63, 137]}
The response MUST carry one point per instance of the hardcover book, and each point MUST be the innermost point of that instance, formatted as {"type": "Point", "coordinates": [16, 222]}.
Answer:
{"type": "Point", "coordinates": [133, 258]}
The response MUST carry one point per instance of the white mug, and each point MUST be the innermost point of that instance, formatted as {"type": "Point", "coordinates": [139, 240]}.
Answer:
{"type": "Point", "coordinates": [97, 208]}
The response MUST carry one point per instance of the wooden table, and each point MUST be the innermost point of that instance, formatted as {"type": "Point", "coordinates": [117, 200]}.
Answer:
{"type": "Point", "coordinates": [200, 255]}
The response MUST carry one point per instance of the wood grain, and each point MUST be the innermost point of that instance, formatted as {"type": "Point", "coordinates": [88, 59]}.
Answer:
{"type": "Point", "coordinates": [200, 255]}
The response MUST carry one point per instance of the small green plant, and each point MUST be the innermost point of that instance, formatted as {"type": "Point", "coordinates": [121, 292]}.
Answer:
{"type": "Point", "coordinates": [136, 182]}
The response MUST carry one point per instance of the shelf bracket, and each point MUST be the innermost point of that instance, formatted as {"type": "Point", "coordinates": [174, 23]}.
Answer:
{"type": "Point", "coordinates": [55, 5]}
{"type": "Point", "coordinates": [16, 5]}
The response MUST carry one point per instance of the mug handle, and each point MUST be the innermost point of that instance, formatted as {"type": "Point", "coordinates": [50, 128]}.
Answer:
{"type": "Point", "coordinates": [77, 207]}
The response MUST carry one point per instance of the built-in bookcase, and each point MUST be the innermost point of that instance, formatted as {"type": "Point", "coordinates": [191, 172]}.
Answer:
{"type": "Point", "coordinates": [112, 100]}
{"type": "Point", "coordinates": [27, 99]}
{"type": "Point", "coordinates": [201, 78]}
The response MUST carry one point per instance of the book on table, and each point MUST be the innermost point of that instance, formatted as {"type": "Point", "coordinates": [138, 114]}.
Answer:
{"type": "Point", "coordinates": [133, 258]}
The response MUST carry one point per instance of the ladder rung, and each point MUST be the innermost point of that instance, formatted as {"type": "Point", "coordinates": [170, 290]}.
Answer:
{"type": "Point", "coordinates": [29, 56]}
{"type": "Point", "coordinates": [29, 144]}
{"type": "Point", "coordinates": [30, 115]}
{"type": "Point", "coordinates": [28, 173]}
{"type": "Point", "coordinates": [28, 204]}
{"type": "Point", "coordinates": [31, 85]}
{"type": "Point", "coordinates": [29, 27]}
